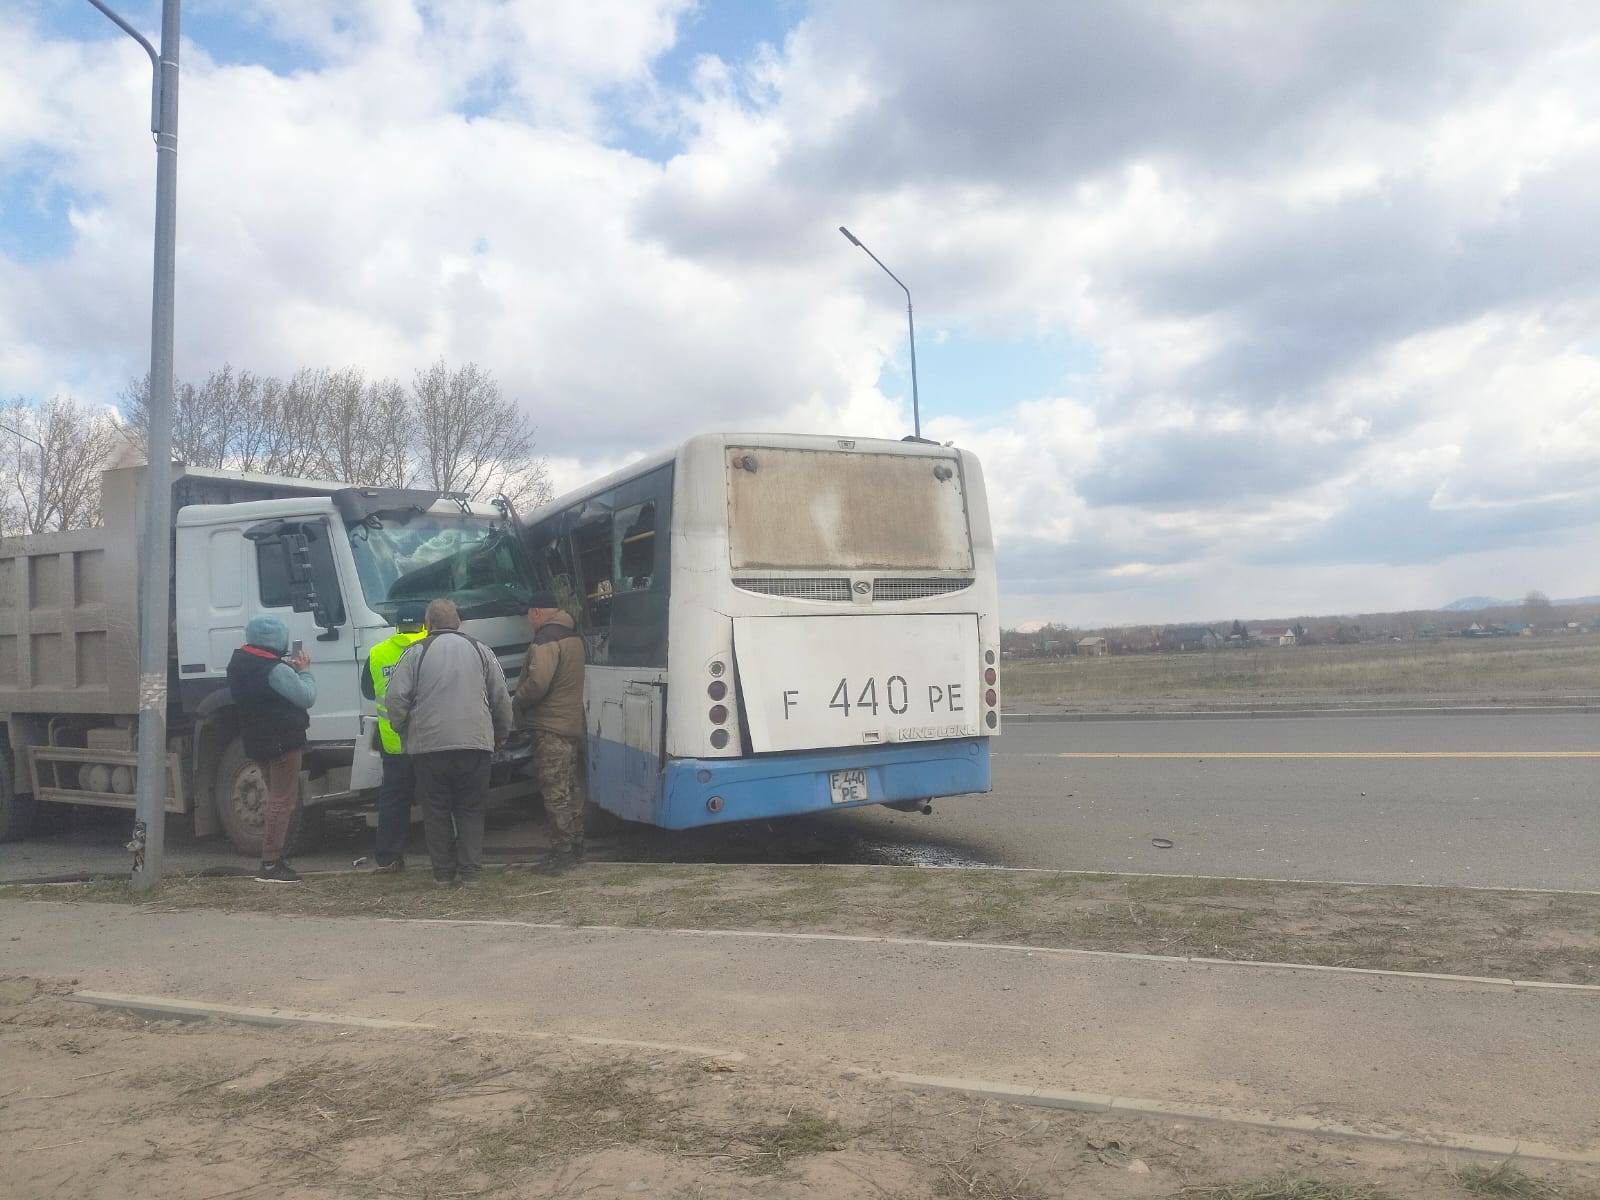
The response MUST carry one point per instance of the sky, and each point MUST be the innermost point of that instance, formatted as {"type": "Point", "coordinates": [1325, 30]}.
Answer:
{"type": "Point", "coordinates": [1248, 309]}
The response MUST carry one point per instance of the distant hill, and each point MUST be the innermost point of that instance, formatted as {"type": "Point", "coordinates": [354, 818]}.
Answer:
{"type": "Point", "coordinates": [1476, 603]}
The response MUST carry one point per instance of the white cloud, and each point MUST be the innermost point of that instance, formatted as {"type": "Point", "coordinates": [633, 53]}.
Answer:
{"type": "Point", "coordinates": [1327, 262]}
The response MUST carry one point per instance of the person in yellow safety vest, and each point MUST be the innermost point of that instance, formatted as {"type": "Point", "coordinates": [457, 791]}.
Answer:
{"type": "Point", "coordinates": [398, 787]}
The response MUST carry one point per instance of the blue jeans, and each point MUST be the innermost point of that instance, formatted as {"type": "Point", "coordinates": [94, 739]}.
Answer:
{"type": "Point", "coordinates": [395, 794]}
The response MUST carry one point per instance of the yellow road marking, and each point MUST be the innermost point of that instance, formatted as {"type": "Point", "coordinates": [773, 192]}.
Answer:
{"type": "Point", "coordinates": [1329, 754]}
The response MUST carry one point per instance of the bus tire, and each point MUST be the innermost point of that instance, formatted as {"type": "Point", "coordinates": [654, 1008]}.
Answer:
{"type": "Point", "coordinates": [18, 813]}
{"type": "Point", "coordinates": [240, 793]}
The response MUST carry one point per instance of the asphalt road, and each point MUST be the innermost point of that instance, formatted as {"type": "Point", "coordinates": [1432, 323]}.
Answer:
{"type": "Point", "coordinates": [1389, 799]}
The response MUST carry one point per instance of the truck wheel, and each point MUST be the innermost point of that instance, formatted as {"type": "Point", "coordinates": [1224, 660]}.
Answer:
{"type": "Point", "coordinates": [240, 790]}
{"type": "Point", "coordinates": [17, 813]}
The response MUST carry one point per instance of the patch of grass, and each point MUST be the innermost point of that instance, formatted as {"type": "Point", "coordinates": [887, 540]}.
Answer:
{"type": "Point", "coordinates": [1505, 1179]}
{"type": "Point", "coordinates": [1285, 1188]}
{"type": "Point", "coordinates": [799, 1135]}
{"type": "Point", "coordinates": [1496, 934]}
{"type": "Point", "coordinates": [1513, 669]}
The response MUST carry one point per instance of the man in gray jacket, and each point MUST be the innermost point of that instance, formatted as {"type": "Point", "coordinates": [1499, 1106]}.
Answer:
{"type": "Point", "coordinates": [448, 702]}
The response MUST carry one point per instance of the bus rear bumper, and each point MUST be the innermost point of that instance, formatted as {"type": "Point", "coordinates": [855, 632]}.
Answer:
{"type": "Point", "coordinates": [782, 785]}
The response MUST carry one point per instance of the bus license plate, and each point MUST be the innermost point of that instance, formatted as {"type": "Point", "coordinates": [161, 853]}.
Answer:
{"type": "Point", "coordinates": [848, 787]}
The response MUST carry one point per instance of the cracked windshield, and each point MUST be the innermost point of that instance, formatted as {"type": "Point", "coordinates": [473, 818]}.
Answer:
{"type": "Point", "coordinates": [471, 560]}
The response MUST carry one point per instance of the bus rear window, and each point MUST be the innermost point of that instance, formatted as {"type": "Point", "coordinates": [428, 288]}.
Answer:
{"type": "Point", "coordinates": [823, 509]}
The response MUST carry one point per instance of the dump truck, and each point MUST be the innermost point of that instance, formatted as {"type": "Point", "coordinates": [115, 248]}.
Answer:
{"type": "Point", "coordinates": [335, 562]}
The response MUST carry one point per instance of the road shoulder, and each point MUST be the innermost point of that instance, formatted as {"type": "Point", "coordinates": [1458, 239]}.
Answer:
{"type": "Point", "coordinates": [1506, 935]}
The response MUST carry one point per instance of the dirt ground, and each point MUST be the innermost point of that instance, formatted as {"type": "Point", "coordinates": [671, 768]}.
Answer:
{"type": "Point", "coordinates": [108, 1104]}
{"type": "Point", "coordinates": [1553, 937]}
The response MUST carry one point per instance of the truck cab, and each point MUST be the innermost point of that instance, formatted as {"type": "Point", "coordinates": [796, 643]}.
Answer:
{"type": "Point", "coordinates": [334, 567]}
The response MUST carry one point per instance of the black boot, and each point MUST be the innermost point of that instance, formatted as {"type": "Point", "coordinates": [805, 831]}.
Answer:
{"type": "Point", "coordinates": [557, 860]}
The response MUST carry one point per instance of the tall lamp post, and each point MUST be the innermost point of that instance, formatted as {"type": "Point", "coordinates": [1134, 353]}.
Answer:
{"type": "Point", "coordinates": [911, 329]}
{"type": "Point", "coordinates": [150, 795]}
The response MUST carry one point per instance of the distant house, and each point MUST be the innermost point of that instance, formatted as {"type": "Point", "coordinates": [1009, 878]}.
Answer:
{"type": "Point", "coordinates": [1190, 637]}
{"type": "Point", "coordinates": [1281, 635]}
{"type": "Point", "coordinates": [1093, 645]}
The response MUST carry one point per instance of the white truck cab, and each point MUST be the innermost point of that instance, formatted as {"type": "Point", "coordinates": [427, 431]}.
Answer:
{"type": "Point", "coordinates": [334, 568]}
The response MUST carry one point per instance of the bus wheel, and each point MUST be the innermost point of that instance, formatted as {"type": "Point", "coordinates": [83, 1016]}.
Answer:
{"type": "Point", "coordinates": [240, 792]}
{"type": "Point", "coordinates": [17, 813]}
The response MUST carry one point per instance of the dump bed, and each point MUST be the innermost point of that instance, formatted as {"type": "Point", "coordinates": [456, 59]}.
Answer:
{"type": "Point", "coordinates": [69, 602]}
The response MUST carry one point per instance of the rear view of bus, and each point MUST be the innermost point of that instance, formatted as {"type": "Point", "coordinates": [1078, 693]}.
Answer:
{"type": "Point", "coordinates": [818, 631]}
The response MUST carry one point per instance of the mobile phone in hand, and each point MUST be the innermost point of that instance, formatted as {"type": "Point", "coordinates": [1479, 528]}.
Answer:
{"type": "Point", "coordinates": [296, 646]}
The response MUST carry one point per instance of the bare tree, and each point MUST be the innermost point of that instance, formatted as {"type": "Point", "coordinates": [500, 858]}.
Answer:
{"type": "Point", "coordinates": [454, 431]}
{"type": "Point", "coordinates": [55, 484]}
{"type": "Point", "coordinates": [214, 425]}
{"type": "Point", "coordinates": [365, 430]}
{"type": "Point", "coordinates": [471, 439]}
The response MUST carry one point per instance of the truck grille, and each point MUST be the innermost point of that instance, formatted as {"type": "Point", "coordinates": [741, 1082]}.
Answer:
{"type": "Point", "coordinates": [819, 587]}
{"type": "Point", "coordinates": [915, 589]}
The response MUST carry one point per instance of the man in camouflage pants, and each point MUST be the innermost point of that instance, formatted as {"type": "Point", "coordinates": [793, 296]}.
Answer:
{"type": "Point", "coordinates": [549, 701]}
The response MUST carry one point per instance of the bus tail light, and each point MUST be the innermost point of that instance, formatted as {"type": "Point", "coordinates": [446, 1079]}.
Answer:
{"type": "Point", "coordinates": [991, 696]}
{"type": "Point", "coordinates": [720, 692]}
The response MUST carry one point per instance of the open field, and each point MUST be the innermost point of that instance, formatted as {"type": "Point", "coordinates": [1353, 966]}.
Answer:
{"type": "Point", "coordinates": [114, 1104]}
{"type": "Point", "coordinates": [1455, 670]}
{"type": "Point", "coordinates": [1499, 934]}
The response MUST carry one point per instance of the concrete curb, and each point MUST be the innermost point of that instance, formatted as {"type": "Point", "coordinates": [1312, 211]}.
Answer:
{"type": "Point", "coordinates": [1256, 714]}
{"type": "Point", "coordinates": [1130, 1106]}
{"type": "Point", "coordinates": [162, 1009]}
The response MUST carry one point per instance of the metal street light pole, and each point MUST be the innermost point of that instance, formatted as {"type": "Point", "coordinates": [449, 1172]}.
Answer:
{"type": "Point", "coordinates": [911, 329]}
{"type": "Point", "coordinates": [156, 558]}
{"type": "Point", "coordinates": [38, 513]}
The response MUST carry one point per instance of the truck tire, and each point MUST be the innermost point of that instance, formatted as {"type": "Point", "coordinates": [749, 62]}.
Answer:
{"type": "Point", "coordinates": [240, 792]}
{"type": "Point", "coordinates": [18, 814]}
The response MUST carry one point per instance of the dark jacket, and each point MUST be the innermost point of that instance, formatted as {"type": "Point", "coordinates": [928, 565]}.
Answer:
{"type": "Point", "coordinates": [550, 693]}
{"type": "Point", "coordinates": [270, 724]}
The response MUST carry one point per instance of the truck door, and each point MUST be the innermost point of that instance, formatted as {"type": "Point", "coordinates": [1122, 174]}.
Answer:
{"type": "Point", "coordinates": [297, 580]}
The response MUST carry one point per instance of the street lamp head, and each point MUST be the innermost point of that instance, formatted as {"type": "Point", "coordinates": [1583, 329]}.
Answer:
{"type": "Point", "coordinates": [854, 241]}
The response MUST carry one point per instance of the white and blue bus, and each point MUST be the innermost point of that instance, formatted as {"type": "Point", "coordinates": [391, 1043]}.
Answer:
{"type": "Point", "coordinates": [779, 625]}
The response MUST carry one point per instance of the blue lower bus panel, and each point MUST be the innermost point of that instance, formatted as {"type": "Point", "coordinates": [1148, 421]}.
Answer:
{"type": "Point", "coordinates": [778, 785]}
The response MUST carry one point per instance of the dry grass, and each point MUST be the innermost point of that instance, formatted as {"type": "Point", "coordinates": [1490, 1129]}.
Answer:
{"type": "Point", "coordinates": [1520, 669]}
{"type": "Point", "coordinates": [1507, 1179]}
{"type": "Point", "coordinates": [1518, 935]}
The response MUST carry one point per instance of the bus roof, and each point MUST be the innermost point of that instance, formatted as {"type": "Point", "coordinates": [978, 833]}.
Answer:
{"type": "Point", "coordinates": [787, 441]}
